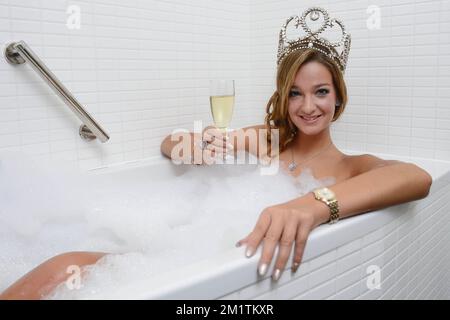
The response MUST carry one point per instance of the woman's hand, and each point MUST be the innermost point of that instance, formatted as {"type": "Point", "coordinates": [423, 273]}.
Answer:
{"type": "Point", "coordinates": [212, 144]}
{"type": "Point", "coordinates": [284, 225]}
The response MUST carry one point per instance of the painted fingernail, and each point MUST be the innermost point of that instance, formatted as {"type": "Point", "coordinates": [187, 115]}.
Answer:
{"type": "Point", "coordinates": [249, 252]}
{"type": "Point", "coordinates": [276, 275]}
{"type": "Point", "coordinates": [295, 266]}
{"type": "Point", "coordinates": [238, 244]}
{"type": "Point", "coordinates": [262, 269]}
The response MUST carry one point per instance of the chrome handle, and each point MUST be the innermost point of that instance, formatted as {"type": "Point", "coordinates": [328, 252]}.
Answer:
{"type": "Point", "coordinates": [19, 52]}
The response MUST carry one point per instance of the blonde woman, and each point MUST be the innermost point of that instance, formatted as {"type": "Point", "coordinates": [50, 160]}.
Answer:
{"type": "Point", "coordinates": [310, 95]}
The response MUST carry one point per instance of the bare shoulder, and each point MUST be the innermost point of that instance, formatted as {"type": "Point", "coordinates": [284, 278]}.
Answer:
{"type": "Point", "coordinates": [358, 164]}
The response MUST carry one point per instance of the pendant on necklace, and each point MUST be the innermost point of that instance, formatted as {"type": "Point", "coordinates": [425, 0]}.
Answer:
{"type": "Point", "coordinates": [292, 166]}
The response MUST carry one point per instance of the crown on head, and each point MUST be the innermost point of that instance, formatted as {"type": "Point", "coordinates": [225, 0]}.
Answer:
{"type": "Point", "coordinates": [312, 39]}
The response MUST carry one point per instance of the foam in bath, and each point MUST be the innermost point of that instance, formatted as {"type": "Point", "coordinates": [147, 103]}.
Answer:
{"type": "Point", "coordinates": [149, 226]}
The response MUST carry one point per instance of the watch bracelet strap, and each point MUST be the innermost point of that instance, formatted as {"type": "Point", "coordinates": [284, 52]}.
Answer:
{"type": "Point", "coordinates": [334, 211]}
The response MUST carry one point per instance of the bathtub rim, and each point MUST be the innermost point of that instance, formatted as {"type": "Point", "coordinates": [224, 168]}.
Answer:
{"type": "Point", "coordinates": [435, 167]}
{"type": "Point", "coordinates": [209, 274]}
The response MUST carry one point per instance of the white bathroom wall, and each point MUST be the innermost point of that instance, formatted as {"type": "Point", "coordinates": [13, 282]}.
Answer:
{"type": "Point", "coordinates": [398, 76]}
{"type": "Point", "coordinates": [141, 68]}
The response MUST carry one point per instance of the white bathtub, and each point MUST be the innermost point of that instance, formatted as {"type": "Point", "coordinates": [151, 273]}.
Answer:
{"type": "Point", "coordinates": [409, 244]}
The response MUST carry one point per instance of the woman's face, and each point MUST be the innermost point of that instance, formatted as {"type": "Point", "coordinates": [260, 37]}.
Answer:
{"type": "Point", "coordinates": [312, 99]}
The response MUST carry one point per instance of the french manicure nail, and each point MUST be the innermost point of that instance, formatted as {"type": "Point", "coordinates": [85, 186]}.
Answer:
{"type": "Point", "coordinates": [249, 252]}
{"type": "Point", "coordinates": [276, 275]}
{"type": "Point", "coordinates": [262, 269]}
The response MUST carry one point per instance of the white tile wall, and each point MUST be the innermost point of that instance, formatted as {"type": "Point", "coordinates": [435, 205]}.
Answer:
{"type": "Point", "coordinates": [141, 67]}
{"type": "Point", "coordinates": [398, 77]}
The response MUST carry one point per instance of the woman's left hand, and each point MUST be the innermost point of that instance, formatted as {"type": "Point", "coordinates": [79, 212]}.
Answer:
{"type": "Point", "coordinates": [283, 225]}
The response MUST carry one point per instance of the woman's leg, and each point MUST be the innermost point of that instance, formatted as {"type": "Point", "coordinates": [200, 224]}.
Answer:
{"type": "Point", "coordinates": [44, 278]}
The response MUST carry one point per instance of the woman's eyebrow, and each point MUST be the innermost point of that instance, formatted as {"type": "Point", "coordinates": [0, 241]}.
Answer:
{"type": "Point", "coordinates": [321, 84]}
{"type": "Point", "coordinates": [316, 86]}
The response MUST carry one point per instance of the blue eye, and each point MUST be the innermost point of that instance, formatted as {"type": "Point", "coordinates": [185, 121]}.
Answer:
{"type": "Point", "coordinates": [324, 91]}
{"type": "Point", "coordinates": [293, 93]}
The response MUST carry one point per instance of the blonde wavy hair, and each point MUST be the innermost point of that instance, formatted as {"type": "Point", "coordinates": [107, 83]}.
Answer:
{"type": "Point", "coordinates": [278, 117]}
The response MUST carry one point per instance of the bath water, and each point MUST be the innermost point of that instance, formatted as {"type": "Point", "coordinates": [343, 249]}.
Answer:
{"type": "Point", "coordinates": [147, 226]}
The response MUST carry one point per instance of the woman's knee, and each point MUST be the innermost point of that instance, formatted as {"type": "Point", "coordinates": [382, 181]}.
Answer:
{"type": "Point", "coordinates": [44, 278]}
{"type": "Point", "coordinates": [76, 258]}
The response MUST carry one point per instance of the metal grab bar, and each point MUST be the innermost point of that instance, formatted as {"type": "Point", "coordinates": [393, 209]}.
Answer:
{"type": "Point", "coordinates": [19, 52]}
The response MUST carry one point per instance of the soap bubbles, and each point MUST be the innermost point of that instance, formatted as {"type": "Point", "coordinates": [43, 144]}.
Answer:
{"type": "Point", "coordinates": [148, 225]}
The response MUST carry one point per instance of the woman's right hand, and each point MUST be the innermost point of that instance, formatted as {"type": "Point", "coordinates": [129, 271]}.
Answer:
{"type": "Point", "coordinates": [212, 147]}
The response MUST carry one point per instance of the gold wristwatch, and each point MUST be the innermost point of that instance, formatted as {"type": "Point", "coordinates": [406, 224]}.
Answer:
{"type": "Point", "coordinates": [329, 198]}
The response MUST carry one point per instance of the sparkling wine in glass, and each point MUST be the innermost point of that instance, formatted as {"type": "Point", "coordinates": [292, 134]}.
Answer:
{"type": "Point", "coordinates": [222, 104]}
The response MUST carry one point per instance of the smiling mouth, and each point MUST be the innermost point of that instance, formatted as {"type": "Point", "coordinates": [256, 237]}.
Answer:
{"type": "Point", "coordinates": [311, 119]}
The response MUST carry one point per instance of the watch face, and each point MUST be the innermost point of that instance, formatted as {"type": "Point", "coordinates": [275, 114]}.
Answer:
{"type": "Point", "coordinates": [325, 193]}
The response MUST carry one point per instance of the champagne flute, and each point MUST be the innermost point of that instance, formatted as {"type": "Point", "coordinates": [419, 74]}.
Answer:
{"type": "Point", "coordinates": [222, 105]}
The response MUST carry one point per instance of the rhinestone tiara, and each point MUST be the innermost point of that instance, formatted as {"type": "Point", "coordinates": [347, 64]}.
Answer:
{"type": "Point", "coordinates": [313, 40]}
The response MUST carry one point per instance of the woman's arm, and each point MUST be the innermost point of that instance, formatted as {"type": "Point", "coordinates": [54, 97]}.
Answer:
{"type": "Point", "coordinates": [380, 183]}
{"type": "Point", "coordinates": [247, 138]}
{"type": "Point", "coordinates": [168, 144]}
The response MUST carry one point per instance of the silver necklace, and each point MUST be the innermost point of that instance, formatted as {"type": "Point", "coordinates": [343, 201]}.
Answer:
{"type": "Point", "coordinates": [293, 165]}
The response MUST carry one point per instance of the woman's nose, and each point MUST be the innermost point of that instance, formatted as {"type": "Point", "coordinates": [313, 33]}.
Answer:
{"type": "Point", "coordinates": [308, 105]}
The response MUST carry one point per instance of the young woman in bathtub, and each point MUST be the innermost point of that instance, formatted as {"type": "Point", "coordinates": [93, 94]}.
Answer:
{"type": "Point", "coordinates": [309, 84]}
